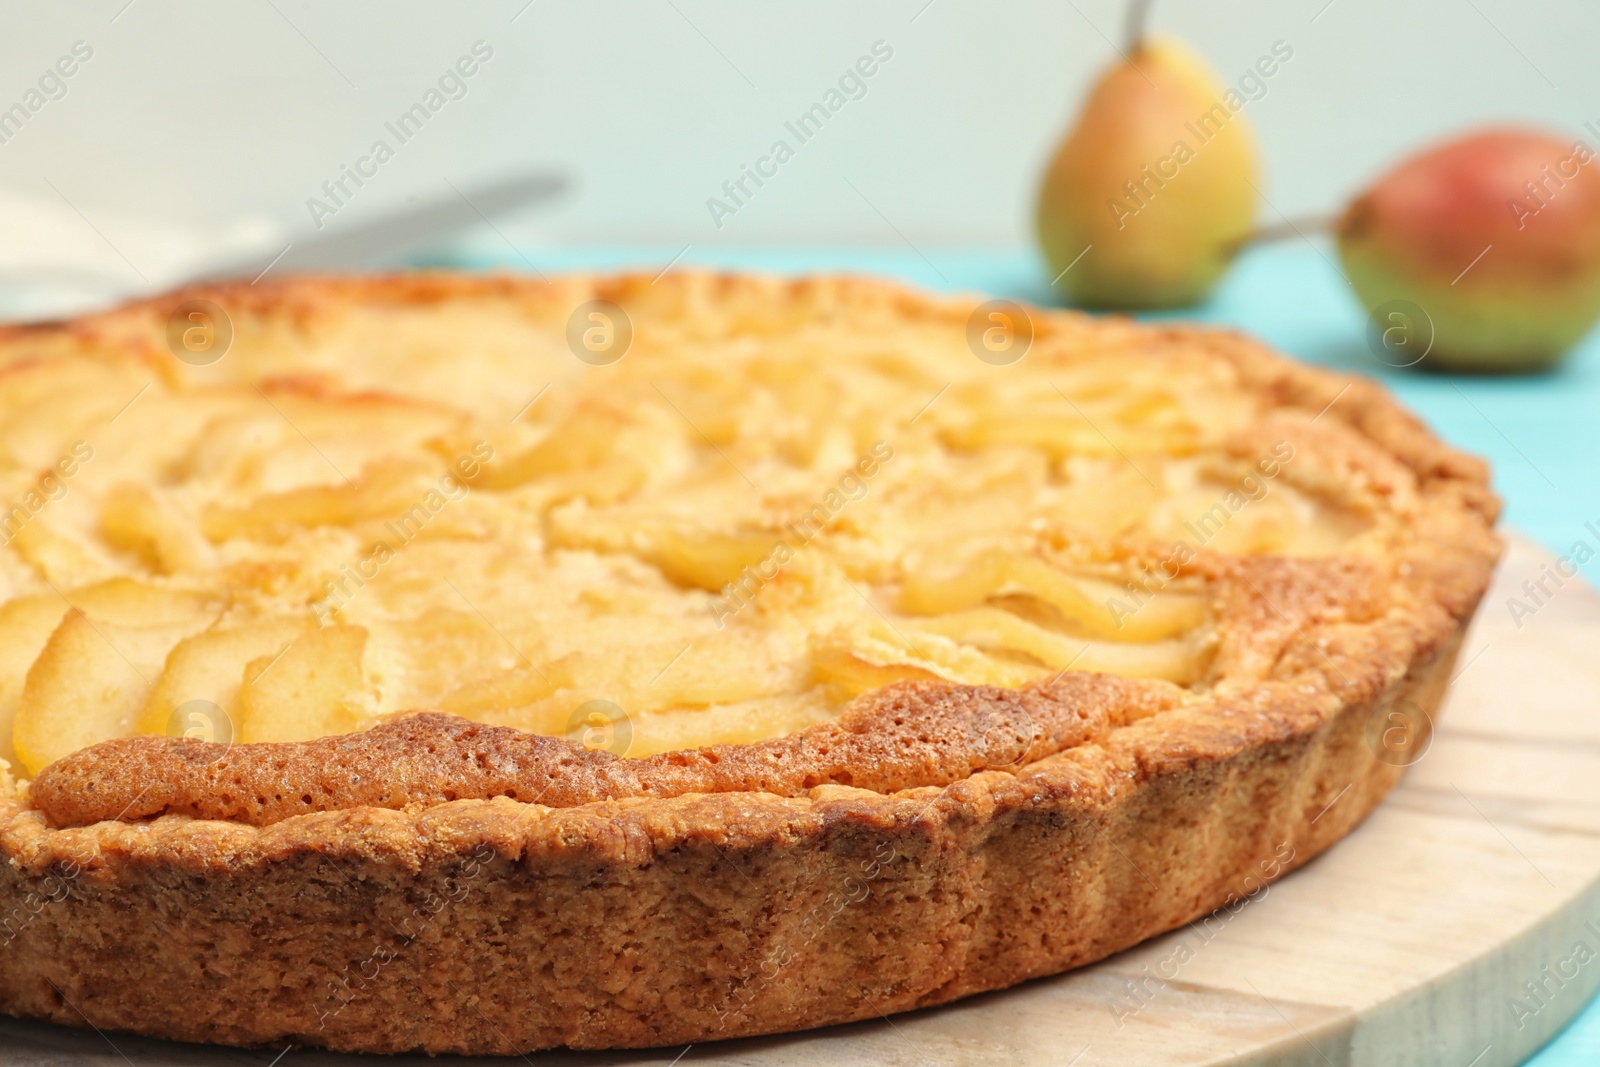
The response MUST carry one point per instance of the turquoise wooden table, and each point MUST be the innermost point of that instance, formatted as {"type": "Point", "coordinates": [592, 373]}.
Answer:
{"type": "Point", "coordinates": [1542, 433]}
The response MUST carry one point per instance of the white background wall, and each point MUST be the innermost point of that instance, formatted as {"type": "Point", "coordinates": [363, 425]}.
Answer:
{"type": "Point", "coordinates": [205, 113]}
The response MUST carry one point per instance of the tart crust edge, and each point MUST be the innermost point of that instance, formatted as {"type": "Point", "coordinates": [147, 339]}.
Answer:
{"type": "Point", "coordinates": [472, 928]}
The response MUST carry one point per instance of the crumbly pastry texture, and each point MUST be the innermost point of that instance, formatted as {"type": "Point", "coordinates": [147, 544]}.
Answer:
{"type": "Point", "coordinates": [480, 664]}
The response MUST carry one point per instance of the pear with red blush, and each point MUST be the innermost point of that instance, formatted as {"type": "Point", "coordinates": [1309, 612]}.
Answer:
{"type": "Point", "coordinates": [1495, 237]}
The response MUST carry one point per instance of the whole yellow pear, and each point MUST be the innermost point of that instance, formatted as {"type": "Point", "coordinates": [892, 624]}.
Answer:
{"type": "Point", "coordinates": [1156, 181]}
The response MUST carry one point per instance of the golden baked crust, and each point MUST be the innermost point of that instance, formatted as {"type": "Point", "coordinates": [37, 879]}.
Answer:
{"type": "Point", "coordinates": [906, 736]}
{"type": "Point", "coordinates": [437, 884]}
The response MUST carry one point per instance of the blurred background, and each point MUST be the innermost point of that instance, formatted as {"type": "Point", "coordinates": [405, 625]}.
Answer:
{"type": "Point", "coordinates": [215, 117]}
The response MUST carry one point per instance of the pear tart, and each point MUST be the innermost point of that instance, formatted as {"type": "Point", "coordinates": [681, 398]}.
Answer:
{"type": "Point", "coordinates": [477, 664]}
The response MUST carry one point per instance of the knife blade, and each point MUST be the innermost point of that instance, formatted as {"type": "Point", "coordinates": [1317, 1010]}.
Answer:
{"type": "Point", "coordinates": [371, 241]}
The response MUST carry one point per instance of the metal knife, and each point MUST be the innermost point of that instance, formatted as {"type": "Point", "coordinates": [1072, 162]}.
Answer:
{"type": "Point", "coordinates": [375, 240]}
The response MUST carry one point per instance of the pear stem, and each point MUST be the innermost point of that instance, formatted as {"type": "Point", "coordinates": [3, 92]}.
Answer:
{"type": "Point", "coordinates": [1287, 230]}
{"type": "Point", "coordinates": [1138, 16]}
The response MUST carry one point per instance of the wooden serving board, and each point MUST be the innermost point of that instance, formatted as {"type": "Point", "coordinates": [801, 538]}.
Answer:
{"type": "Point", "coordinates": [1421, 940]}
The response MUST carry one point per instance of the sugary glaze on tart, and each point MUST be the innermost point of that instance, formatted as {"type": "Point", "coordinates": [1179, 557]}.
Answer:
{"type": "Point", "coordinates": [443, 494]}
